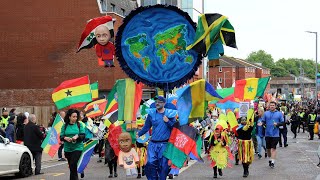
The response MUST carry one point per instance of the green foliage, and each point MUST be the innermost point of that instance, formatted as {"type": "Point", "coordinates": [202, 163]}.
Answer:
{"type": "Point", "coordinates": [261, 57]}
{"type": "Point", "coordinates": [284, 67]}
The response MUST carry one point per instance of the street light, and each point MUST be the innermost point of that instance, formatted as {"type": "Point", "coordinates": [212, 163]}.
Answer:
{"type": "Point", "coordinates": [224, 79]}
{"type": "Point", "coordinates": [316, 33]}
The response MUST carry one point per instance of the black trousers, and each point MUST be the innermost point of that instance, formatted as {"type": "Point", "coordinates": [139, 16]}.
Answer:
{"type": "Point", "coordinates": [60, 151]}
{"type": "Point", "coordinates": [113, 165]}
{"type": "Point", "coordinates": [283, 133]}
{"type": "Point", "coordinates": [37, 156]}
{"type": "Point", "coordinates": [73, 158]}
{"type": "Point", "coordinates": [310, 129]}
{"type": "Point", "coordinates": [100, 147]}
{"type": "Point", "coordinates": [303, 126]}
{"type": "Point", "coordinates": [294, 127]}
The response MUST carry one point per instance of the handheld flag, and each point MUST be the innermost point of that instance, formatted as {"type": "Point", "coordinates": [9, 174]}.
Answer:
{"type": "Point", "coordinates": [192, 99]}
{"type": "Point", "coordinates": [71, 92]}
{"type": "Point", "coordinates": [95, 108]}
{"type": "Point", "coordinates": [248, 89]}
{"type": "Point", "coordinates": [86, 155]}
{"type": "Point", "coordinates": [51, 143]}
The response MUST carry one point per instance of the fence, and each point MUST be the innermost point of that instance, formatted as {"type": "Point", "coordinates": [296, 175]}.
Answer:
{"type": "Point", "coordinates": [43, 113]}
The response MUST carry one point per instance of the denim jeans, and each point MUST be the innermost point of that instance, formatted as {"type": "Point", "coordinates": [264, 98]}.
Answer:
{"type": "Point", "coordinates": [261, 143]}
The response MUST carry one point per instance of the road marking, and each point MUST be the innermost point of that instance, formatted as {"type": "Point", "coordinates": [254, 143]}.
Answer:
{"type": "Point", "coordinates": [312, 151]}
{"type": "Point", "coordinates": [45, 167]}
{"type": "Point", "coordinates": [58, 174]}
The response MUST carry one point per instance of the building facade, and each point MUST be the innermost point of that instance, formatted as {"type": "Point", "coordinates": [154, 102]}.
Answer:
{"type": "Point", "coordinates": [293, 85]}
{"type": "Point", "coordinates": [232, 69]}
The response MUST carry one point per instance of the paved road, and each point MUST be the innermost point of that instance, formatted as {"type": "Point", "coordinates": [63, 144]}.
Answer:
{"type": "Point", "coordinates": [296, 162]}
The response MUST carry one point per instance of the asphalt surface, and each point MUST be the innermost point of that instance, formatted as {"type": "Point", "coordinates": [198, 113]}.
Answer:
{"type": "Point", "coordinates": [298, 161]}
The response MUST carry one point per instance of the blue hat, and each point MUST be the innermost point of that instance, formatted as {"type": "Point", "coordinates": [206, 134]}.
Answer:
{"type": "Point", "coordinates": [160, 98]}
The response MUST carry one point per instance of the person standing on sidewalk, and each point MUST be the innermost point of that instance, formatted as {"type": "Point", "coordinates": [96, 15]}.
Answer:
{"type": "Point", "coordinates": [73, 134]}
{"type": "Point", "coordinates": [272, 119]}
{"type": "Point", "coordinates": [311, 121]}
{"type": "Point", "coordinates": [32, 139]}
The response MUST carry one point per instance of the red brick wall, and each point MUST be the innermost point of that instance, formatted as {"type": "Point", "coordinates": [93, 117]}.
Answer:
{"type": "Point", "coordinates": [39, 42]}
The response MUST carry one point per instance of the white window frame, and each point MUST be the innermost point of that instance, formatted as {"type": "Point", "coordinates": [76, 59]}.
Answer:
{"type": "Point", "coordinates": [233, 69]}
{"type": "Point", "coordinates": [101, 8]}
{"type": "Point", "coordinates": [219, 80]}
{"type": "Point", "coordinates": [220, 69]}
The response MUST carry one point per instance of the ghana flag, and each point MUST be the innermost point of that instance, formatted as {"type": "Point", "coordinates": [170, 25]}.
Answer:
{"type": "Point", "coordinates": [248, 89]}
{"type": "Point", "coordinates": [51, 143]}
{"type": "Point", "coordinates": [94, 93]}
{"type": "Point", "coordinates": [71, 92]}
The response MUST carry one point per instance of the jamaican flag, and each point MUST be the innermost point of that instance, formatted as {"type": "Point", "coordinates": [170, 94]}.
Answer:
{"type": "Point", "coordinates": [213, 30]}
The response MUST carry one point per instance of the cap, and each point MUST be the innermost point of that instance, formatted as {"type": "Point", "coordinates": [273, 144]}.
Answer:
{"type": "Point", "coordinates": [160, 98]}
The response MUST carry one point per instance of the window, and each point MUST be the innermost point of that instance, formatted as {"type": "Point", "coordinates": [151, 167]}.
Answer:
{"type": "Point", "coordinates": [220, 69]}
{"type": "Point", "coordinates": [233, 69]}
{"type": "Point", "coordinates": [123, 12]}
{"type": "Point", "coordinates": [246, 69]}
{"type": "Point", "coordinates": [169, 2]}
{"type": "Point", "coordinates": [113, 7]}
{"type": "Point", "coordinates": [187, 6]}
{"type": "Point", "coordinates": [148, 2]}
{"type": "Point", "coordinates": [102, 6]}
{"type": "Point", "coordinates": [219, 80]}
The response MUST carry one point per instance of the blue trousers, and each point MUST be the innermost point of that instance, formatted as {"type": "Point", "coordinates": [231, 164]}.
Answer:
{"type": "Point", "coordinates": [157, 167]}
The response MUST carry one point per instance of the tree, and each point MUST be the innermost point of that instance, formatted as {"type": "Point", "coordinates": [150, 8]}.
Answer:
{"type": "Point", "coordinates": [261, 57]}
{"type": "Point", "coordinates": [279, 71]}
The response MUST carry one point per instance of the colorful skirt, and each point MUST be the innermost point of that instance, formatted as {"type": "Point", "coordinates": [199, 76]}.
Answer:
{"type": "Point", "coordinates": [142, 153]}
{"type": "Point", "coordinates": [245, 151]}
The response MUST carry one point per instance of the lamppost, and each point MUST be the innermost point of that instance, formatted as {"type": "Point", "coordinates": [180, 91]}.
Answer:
{"type": "Point", "coordinates": [316, 33]}
{"type": "Point", "coordinates": [224, 79]}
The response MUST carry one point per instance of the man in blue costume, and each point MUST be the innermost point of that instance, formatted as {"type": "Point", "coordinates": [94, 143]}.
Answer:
{"type": "Point", "coordinates": [161, 121]}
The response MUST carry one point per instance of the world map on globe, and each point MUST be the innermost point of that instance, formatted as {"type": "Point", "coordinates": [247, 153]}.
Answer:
{"type": "Point", "coordinates": [152, 46]}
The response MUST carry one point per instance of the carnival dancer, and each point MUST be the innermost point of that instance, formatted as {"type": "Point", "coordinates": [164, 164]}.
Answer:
{"type": "Point", "coordinates": [245, 145]}
{"type": "Point", "coordinates": [219, 152]}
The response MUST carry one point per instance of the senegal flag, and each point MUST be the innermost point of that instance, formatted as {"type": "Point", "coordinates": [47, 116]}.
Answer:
{"type": "Point", "coordinates": [71, 92]}
{"type": "Point", "coordinates": [51, 143]}
{"type": "Point", "coordinates": [248, 89]}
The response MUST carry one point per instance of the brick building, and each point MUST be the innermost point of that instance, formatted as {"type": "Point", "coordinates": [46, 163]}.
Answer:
{"type": "Point", "coordinates": [232, 69]}
{"type": "Point", "coordinates": [39, 42]}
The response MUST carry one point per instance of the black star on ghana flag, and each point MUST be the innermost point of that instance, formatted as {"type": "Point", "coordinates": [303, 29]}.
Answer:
{"type": "Point", "coordinates": [68, 93]}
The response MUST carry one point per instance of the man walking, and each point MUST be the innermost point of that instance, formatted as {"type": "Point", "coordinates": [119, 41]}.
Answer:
{"type": "Point", "coordinates": [272, 119]}
{"type": "Point", "coordinates": [33, 139]}
{"type": "Point", "coordinates": [157, 166]}
{"type": "Point", "coordinates": [311, 121]}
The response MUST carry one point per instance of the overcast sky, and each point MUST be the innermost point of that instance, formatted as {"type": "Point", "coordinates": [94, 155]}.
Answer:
{"type": "Point", "coordinates": [276, 26]}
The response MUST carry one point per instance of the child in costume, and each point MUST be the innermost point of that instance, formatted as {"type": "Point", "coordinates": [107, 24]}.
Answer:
{"type": "Point", "coordinates": [128, 157]}
{"type": "Point", "coordinates": [245, 144]}
{"type": "Point", "coordinates": [105, 50]}
{"type": "Point", "coordinates": [219, 152]}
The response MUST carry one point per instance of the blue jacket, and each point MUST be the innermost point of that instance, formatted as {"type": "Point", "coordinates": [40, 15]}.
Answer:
{"type": "Point", "coordinates": [10, 131]}
{"type": "Point", "coordinates": [269, 118]}
{"type": "Point", "coordinates": [160, 130]}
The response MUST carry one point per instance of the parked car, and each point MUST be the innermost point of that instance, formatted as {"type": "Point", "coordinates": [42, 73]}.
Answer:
{"type": "Point", "coordinates": [15, 158]}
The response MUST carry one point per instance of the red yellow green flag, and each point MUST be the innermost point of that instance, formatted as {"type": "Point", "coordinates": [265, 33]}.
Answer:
{"type": "Point", "coordinates": [129, 95]}
{"type": "Point", "coordinates": [71, 92]}
{"type": "Point", "coordinates": [51, 143]}
{"type": "Point", "coordinates": [248, 89]}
